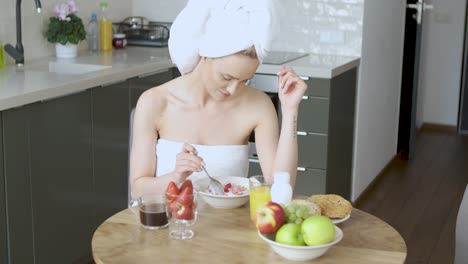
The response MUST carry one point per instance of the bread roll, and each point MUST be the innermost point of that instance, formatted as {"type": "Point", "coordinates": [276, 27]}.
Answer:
{"type": "Point", "coordinates": [332, 205]}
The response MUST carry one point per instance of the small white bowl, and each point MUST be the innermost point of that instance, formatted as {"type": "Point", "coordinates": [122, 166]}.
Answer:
{"type": "Point", "coordinates": [221, 201]}
{"type": "Point", "coordinates": [300, 253]}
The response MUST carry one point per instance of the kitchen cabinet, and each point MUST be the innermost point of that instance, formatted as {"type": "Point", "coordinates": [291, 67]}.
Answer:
{"type": "Point", "coordinates": [48, 177]}
{"type": "Point", "coordinates": [18, 184]}
{"type": "Point", "coordinates": [3, 226]}
{"type": "Point", "coordinates": [61, 171]}
{"type": "Point", "coordinates": [111, 113]}
{"type": "Point", "coordinates": [325, 128]}
{"type": "Point", "coordinates": [66, 170]}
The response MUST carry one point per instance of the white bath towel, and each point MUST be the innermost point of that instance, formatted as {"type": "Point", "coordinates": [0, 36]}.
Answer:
{"type": "Point", "coordinates": [217, 28]}
{"type": "Point", "coordinates": [220, 160]}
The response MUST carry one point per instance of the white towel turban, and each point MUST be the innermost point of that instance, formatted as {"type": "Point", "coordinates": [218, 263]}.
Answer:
{"type": "Point", "coordinates": [217, 28]}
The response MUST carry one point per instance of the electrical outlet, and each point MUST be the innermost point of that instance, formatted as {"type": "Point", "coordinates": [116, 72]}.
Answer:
{"type": "Point", "coordinates": [331, 36]}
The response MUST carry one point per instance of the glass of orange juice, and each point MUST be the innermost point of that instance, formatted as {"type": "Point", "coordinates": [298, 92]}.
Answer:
{"type": "Point", "coordinates": [260, 189]}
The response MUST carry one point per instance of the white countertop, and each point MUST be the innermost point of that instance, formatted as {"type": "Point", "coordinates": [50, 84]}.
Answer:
{"type": "Point", "coordinates": [316, 66]}
{"type": "Point", "coordinates": [34, 82]}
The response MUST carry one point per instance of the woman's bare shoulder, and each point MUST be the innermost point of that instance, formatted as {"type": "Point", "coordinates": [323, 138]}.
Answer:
{"type": "Point", "coordinates": [258, 99]}
{"type": "Point", "coordinates": [153, 102]}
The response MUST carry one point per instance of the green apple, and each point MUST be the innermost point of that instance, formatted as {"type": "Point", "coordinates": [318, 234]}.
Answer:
{"type": "Point", "coordinates": [318, 230]}
{"type": "Point", "coordinates": [290, 234]}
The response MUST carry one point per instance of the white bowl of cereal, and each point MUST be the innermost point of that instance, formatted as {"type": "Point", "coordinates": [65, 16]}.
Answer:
{"type": "Point", "coordinates": [236, 192]}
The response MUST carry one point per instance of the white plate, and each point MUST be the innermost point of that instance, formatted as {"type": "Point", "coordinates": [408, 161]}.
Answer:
{"type": "Point", "coordinates": [340, 220]}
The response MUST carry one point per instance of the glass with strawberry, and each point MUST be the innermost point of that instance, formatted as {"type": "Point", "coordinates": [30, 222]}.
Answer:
{"type": "Point", "coordinates": [181, 209]}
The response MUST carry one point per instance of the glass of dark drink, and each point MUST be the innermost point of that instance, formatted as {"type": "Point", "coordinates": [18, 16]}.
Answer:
{"type": "Point", "coordinates": [153, 213]}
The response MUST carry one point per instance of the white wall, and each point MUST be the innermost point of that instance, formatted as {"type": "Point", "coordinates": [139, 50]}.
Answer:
{"type": "Point", "coordinates": [378, 90]}
{"type": "Point", "coordinates": [314, 26]}
{"type": "Point", "coordinates": [158, 10]}
{"type": "Point", "coordinates": [35, 25]}
{"type": "Point", "coordinates": [441, 58]}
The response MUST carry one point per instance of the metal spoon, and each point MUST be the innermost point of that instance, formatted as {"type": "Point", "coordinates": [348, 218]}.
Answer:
{"type": "Point", "coordinates": [214, 184]}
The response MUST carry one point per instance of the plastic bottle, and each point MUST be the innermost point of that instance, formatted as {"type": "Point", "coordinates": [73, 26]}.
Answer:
{"type": "Point", "coordinates": [93, 33]}
{"type": "Point", "coordinates": [281, 190]}
{"type": "Point", "coordinates": [105, 28]}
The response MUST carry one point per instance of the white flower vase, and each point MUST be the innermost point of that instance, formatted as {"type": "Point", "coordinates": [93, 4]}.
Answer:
{"type": "Point", "coordinates": [66, 51]}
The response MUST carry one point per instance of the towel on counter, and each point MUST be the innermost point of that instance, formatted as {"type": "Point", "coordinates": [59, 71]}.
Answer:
{"type": "Point", "coordinates": [217, 28]}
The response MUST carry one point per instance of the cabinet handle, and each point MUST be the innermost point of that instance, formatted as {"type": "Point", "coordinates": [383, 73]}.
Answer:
{"type": "Point", "coordinates": [257, 161]}
{"type": "Point", "coordinates": [152, 73]}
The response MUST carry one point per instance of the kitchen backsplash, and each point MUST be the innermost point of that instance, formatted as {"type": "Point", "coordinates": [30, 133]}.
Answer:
{"type": "Point", "coordinates": [317, 26]}
{"type": "Point", "coordinates": [35, 25]}
{"type": "Point", "coordinates": [321, 26]}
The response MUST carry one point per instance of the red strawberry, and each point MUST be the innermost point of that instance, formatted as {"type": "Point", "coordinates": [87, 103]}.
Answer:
{"type": "Point", "coordinates": [227, 187]}
{"type": "Point", "coordinates": [172, 191]}
{"type": "Point", "coordinates": [187, 185]}
{"type": "Point", "coordinates": [185, 213]}
{"type": "Point", "coordinates": [185, 197]}
{"type": "Point", "coordinates": [173, 207]}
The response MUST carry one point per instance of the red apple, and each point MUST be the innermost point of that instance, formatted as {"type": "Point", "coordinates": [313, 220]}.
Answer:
{"type": "Point", "coordinates": [269, 218]}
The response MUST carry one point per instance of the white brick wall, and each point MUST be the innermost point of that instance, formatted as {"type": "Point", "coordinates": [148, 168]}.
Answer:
{"type": "Point", "coordinates": [158, 10]}
{"type": "Point", "coordinates": [319, 26]}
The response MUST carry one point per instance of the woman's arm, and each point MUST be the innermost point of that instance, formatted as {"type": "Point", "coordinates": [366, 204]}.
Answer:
{"type": "Point", "coordinates": [291, 89]}
{"type": "Point", "coordinates": [143, 152]}
{"type": "Point", "coordinates": [281, 154]}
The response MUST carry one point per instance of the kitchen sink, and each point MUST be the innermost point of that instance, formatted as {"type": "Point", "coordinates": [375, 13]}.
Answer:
{"type": "Point", "coordinates": [68, 67]}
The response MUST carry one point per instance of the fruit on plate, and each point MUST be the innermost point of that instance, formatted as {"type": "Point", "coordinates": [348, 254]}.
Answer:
{"type": "Point", "coordinates": [269, 217]}
{"type": "Point", "coordinates": [181, 201]}
{"type": "Point", "coordinates": [299, 210]}
{"type": "Point", "coordinates": [290, 234]}
{"type": "Point", "coordinates": [318, 230]}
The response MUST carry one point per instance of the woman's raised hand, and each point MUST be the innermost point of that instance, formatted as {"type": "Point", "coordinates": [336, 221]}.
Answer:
{"type": "Point", "coordinates": [291, 88]}
{"type": "Point", "coordinates": [187, 162]}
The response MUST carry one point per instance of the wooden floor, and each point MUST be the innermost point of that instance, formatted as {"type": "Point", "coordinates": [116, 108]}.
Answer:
{"type": "Point", "coordinates": [420, 198]}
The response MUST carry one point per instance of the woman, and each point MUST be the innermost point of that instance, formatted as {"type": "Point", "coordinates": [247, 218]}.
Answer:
{"type": "Point", "coordinates": [206, 116]}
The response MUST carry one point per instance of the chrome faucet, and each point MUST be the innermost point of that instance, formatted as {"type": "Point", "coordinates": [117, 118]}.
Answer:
{"type": "Point", "coordinates": [18, 52]}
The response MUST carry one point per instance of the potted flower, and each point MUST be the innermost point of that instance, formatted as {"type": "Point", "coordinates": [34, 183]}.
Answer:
{"type": "Point", "coordinates": [66, 29]}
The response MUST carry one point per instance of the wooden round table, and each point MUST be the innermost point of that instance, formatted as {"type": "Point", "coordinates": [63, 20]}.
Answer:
{"type": "Point", "coordinates": [228, 236]}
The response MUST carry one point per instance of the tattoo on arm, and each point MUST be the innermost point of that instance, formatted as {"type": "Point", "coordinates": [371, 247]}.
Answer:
{"type": "Point", "coordinates": [295, 126]}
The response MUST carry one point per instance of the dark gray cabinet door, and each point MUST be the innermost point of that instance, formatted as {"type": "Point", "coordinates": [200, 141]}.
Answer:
{"type": "Point", "coordinates": [310, 181]}
{"type": "Point", "coordinates": [3, 227]}
{"type": "Point", "coordinates": [18, 184]}
{"type": "Point", "coordinates": [62, 178]}
{"type": "Point", "coordinates": [254, 169]}
{"type": "Point", "coordinates": [111, 106]}
{"type": "Point", "coordinates": [341, 133]}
